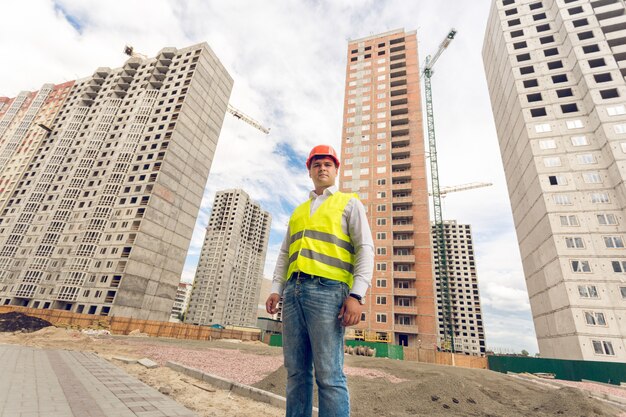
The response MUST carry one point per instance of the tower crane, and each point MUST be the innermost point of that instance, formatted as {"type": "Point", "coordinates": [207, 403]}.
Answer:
{"type": "Point", "coordinates": [440, 240]}
{"type": "Point", "coordinates": [241, 116]}
{"type": "Point", "coordinates": [443, 191]}
{"type": "Point", "coordinates": [130, 51]}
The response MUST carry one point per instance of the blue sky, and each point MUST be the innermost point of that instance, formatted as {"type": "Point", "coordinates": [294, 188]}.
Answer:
{"type": "Point", "coordinates": [288, 60]}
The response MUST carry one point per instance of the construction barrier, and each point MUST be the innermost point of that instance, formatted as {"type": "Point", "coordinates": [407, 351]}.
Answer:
{"type": "Point", "coordinates": [126, 325]}
{"type": "Point", "coordinates": [571, 370]}
{"type": "Point", "coordinates": [445, 358]}
{"type": "Point", "coordinates": [383, 350]}
{"type": "Point", "coordinates": [276, 340]}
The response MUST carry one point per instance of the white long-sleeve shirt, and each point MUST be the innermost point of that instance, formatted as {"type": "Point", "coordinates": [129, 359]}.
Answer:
{"type": "Point", "coordinates": [354, 224]}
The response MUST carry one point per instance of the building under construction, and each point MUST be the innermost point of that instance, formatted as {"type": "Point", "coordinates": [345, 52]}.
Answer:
{"type": "Point", "coordinates": [101, 180]}
{"type": "Point", "coordinates": [555, 71]}
{"type": "Point", "coordinates": [384, 162]}
{"type": "Point", "coordinates": [230, 269]}
{"type": "Point", "coordinates": [466, 311]}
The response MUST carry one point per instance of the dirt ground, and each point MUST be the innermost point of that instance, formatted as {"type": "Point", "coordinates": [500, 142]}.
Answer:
{"type": "Point", "coordinates": [378, 387]}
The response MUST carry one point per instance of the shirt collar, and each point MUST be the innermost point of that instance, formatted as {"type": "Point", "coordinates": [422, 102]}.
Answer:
{"type": "Point", "coordinates": [327, 192]}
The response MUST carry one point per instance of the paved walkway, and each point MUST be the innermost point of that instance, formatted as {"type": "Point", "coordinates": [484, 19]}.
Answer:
{"type": "Point", "coordinates": [59, 383]}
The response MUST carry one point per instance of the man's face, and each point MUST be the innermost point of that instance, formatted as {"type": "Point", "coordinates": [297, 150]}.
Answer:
{"type": "Point", "coordinates": [323, 172]}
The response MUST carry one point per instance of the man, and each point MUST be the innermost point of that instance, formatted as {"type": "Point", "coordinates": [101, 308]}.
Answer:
{"type": "Point", "coordinates": [323, 270]}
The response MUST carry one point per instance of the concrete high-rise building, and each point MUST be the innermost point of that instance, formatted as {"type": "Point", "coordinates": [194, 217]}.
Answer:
{"type": "Point", "coordinates": [467, 316]}
{"type": "Point", "coordinates": [181, 301]}
{"type": "Point", "coordinates": [101, 180]}
{"type": "Point", "coordinates": [228, 278]}
{"type": "Point", "coordinates": [384, 162]}
{"type": "Point", "coordinates": [555, 71]}
{"type": "Point", "coordinates": [265, 290]}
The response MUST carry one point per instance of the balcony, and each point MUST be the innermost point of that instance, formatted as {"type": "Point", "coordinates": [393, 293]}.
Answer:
{"type": "Point", "coordinates": [400, 163]}
{"type": "Point", "coordinates": [161, 68]}
{"type": "Point", "coordinates": [401, 186]}
{"type": "Point", "coordinates": [155, 83]}
{"type": "Point", "coordinates": [127, 76]}
{"type": "Point", "coordinates": [397, 82]}
{"type": "Point", "coordinates": [397, 133]}
{"type": "Point", "coordinates": [614, 24]}
{"type": "Point", "coordinates": [405, 217]}
{"type": "Point", "coordinates": [399, 102]}
{"type": "Point", "coordinates": [402, 227]}
{"type": "Point", "coordinates": [407, 200]}
{"type": "Point", "coordinates": [121, 84]}
{"type": "Point", "coordinates": [402, 213]}
{"type": "Point", "coordinates": [402, 328]}
{"type": "Point", "coordinates": [159, 75]}
{"type": "Point", "coordinates": [133, 63]}
{"type": "Point", "coordinates": [401, 174]}
{"type": "Point", "coordinates": [602, 3]}
{"type": "Point", "coordinates": [404, 292]}
{"type": "Point", "coordinates": [400, 141]}
{"type": "Point", "coordinates": [403, 243]}
{"type": "Point", "coordinates": [400, 120]}
{"type": "Point", "coordinates": [101, 73]}
{"type": "Point", "coordinates": [401, 91]}
{"type": "Point", "coordinates": [400, 154]}
{"type": "Point", "coordinates": [607, 9]}
{"type": "Point", "coordinates": [404, 258]}
{"type": "Point", "coordinates": [167, 53]}
{"type": "Point", "coordinates": [404, 275]}
{"type": "Point", "coordinates": [397, 111]}
{"type": "Point", "coordinates": [410, 310]}
{"type": "Point", "coordinates": [165, 59]}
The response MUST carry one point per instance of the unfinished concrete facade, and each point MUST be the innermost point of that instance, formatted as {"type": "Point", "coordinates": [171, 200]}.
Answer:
{"type": "Point", "coordinates": [230, 269]}
{"type": "Point", "coordinates": [467, 315]}
{"type": "Point", "coordinates": [384, 162]}
{"type": "Point", "coordinates": [555, 70]}
{"type": "Point", "coordinates": [101, 183]}
{"type": "Point", "coordinates": [181, 302]}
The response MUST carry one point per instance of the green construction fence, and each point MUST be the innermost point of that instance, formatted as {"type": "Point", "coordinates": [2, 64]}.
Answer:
{"type": "Point", "coordinates": [383, 350]}
{"type": "Point", "coordinates": [276, 340]}
{"type": "Point", "coordinates": [571, 370]}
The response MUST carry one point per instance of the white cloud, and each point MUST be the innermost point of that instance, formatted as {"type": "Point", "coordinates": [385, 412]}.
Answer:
{"type": "Point", "coordinates": [511, 334]}
{"type": "Point", "coordinates": [288, 61]}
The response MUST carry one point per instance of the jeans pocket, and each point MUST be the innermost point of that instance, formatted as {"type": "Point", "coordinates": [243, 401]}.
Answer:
{"type": "Point", "coordinates": [325, 282]}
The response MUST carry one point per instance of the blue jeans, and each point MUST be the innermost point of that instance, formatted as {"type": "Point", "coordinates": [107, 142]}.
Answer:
{"type": "Point", "coordinates": [313, 336]}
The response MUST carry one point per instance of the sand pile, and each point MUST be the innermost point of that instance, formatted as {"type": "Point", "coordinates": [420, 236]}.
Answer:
{"type": "Point", "coordinates": [14, 321]}
{"type": "Point", "coordinates": [414, 389]}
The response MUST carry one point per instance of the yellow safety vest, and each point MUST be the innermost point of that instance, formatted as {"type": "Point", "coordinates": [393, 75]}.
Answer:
{"type": "Point", "coordinates": [318, 245]}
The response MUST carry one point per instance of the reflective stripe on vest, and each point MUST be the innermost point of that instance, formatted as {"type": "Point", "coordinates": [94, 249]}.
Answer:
{"type": "Point", "coordinates": [318, 245]}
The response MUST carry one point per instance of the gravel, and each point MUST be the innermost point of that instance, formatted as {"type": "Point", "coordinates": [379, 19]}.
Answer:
{"type": "Point", "coordinates": [232, 364]}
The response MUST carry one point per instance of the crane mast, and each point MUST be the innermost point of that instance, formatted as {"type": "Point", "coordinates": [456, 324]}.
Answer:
{"type": "Point", "coordinates": [440, 241]}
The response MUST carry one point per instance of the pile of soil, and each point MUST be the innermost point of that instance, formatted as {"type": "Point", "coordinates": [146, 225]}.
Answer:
{"type": "Point", "coordinates": [14, 321]}
{"type": "Point", "coordinates": [438, 391]}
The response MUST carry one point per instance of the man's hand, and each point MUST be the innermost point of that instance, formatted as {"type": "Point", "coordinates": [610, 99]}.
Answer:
{"type": "Point", "coordinates": [271, 304]}
{"type": "Point", "coordinates": [350, 312]}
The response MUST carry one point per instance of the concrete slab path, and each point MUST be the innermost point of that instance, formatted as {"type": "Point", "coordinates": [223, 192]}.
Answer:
{"type": "Point", "coordinates": [60, 383]}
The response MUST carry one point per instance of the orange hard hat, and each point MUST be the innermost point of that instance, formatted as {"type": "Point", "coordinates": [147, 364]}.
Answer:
{"type": "Point", "coordinates": [322, 150]}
